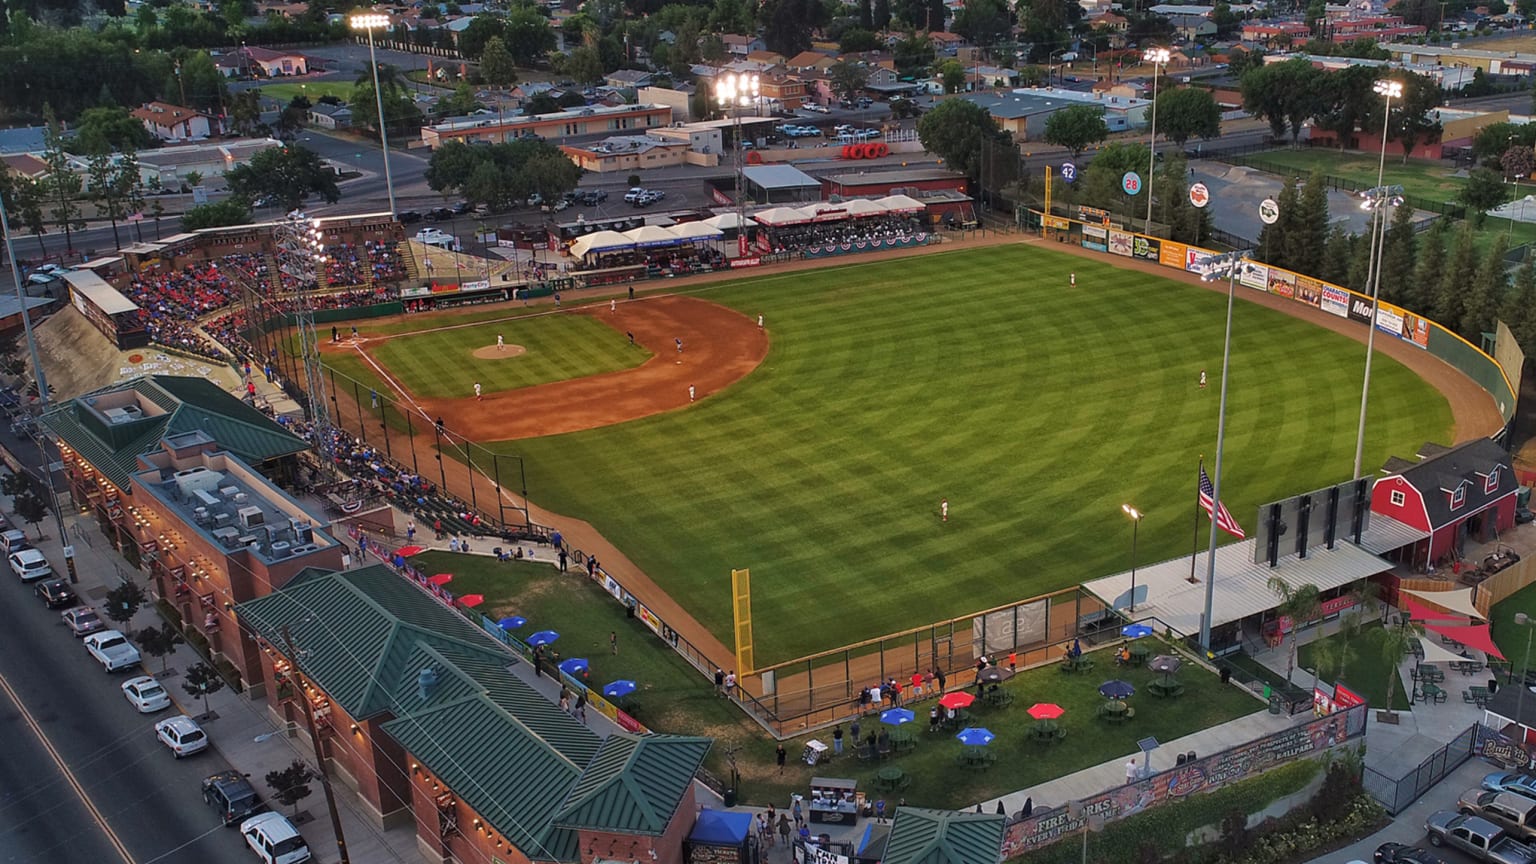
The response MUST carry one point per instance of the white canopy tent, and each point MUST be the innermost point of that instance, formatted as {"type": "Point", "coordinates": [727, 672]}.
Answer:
{"type": "Point", "coordinates": [901, 204]}
{"type": "Point", "coordinates": [778, 216]}
{"type": "Point", "coordinates": [601, 241]}
{"type": "Point", "coordinates": [727, 221]}
{"type": "Point", "coordinates": [652, 235]}
{"type": "Point", "coordinates": [858, 207]}
{"type": "Point", "coordinates": [690, 231]}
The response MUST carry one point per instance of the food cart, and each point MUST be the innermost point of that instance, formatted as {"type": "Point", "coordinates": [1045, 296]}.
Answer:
{"type": "Point", "coordinates": [834, 801]}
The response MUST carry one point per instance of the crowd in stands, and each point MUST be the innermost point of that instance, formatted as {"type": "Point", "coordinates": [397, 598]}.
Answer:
{"type": "Point", "coordinates": [791, 238]}
{"type": "Point", "coordinates": [380, 262]}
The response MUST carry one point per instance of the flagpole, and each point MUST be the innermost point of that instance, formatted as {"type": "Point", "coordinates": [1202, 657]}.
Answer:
{"type": "Point", "coordinates": [1221, 438]}
{"type": "Point", "coordinates": [1194, 546]}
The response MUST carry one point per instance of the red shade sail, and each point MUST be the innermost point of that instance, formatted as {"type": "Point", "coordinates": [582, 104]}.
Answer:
{"type": "Point", "coordinates": [1474, 636]}
{"type": "Point", "coordinates": [471, 600]}
{"type": "Point", "coordinates": [1420, 612]}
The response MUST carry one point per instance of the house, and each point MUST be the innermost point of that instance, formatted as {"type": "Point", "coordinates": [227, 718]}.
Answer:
{"type": "Point", "coordinates": [24, 165]}
{"type": "Point", "coordinates": [276, 64]}
{"type": "Point", "coordinates": [631, 79]}
{"type": "Point", "coordinates": [768, 59]}
{"type": "Point", "coordinates": [945, 43]}
{"type": "Point", "coordinates": [591, 120]}
{"type": "Point", "coordinates": [810, 61]}
{"type": "Point", "coordinates": [1467, 491]}
{"type": "Point", "coordinates": [1024, 112]}
{"type": "Point", "coordinates": [443, 729]}
{"type": "Point", "coordinates": [174, 123]}
{"type": "Point", "coordinates": [782, 91]}
{"type": "Point", "coordinates": [330, 116]}
{"type": "Point", "coordinates": [1375, 27]}
{"type": "Point", "coordinates": [740, 46]}
{"type": "Point", "coordinates": [1272, 33]}
{"type": "Point", "coordinates": [23, 139]}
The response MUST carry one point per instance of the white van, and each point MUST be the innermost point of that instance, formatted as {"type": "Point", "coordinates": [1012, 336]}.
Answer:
{"type": "Point", "coordinates": [274, 839]}
{"type": "Point", "coordinates": [12, 541]}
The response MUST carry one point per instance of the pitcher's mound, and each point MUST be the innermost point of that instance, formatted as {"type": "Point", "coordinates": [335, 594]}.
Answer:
{"type": "Point", "coordinates": [491, 352]}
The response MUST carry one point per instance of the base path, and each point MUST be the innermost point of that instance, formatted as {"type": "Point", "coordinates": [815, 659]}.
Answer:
{"type": "Point", "coordinates": [720, 347]}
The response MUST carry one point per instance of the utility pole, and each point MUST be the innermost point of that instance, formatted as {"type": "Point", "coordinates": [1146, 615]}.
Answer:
{"type": "Point", "coordinates": [314, 737]}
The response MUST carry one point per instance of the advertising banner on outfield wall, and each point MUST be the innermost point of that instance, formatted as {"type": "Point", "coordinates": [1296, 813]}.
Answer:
{"type": "Point", "coordinates": [1253, 275]}
{"type": "Point", "coordinates": [1145, 248]}
{"type": "Point", "coordinates": [1309, 290]}
{"type": "Point", "coordinates": [1120, 242]}
{"type": "Point", "coordinates": [1196, 259]}
{"type": "Point", "coordinates": [1282, 283]}
{"type": "Point", "coordinates": [1172, 254]}
{"type": "Point", "coordinates": [1202, 775]}
{"type": "Point", "coordinates": [1416, 329]}
{"type": "Point", "coordinates": [1095, 237]}
{"type": "Point", "coordinates": [1389, 319]}
{"type": "Point", "coordinates": [1335, 301]}
{"type": "Point", "coordinates": [1360, 309]}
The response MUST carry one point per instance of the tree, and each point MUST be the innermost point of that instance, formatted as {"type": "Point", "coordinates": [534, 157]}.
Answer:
{"type": "Point", "coordinates": [1483, 191]}
{"type": "Point", "coordinates": [1286, 95]}
{"type": "Point", "coordinates": [955, 130]}
{"type": "Point", "coordinates": [1518, 161]}
{"type": "Point", "coordinates": [61, 182]}
{"type": "Point", "coordinates": [114, 186]}
{"type": "Point", "coordinates": [1519, 311]}
{"type": "Point", "coordinates": [102, 130]}
{"type": "Point", "coordinates": [291, 119]}
{"type": "Point", "coordinates": [1347, 98]}
{"type": "Point", "coordinates": [458, 103]}
{"type": "Point", "coordinates": [848, 79]}
{"type": "Point", "coordinates": [1395, 642]}
{"type": "Point", "coordinates": [541, 103]}
{"type": "Point", "coordinates": [1099, 184]}
{"type": "Point", "coordinates": [789, 24]}
{"type": "Point", "coordinates": [1397, 257]}
{"type": "Point", "coordinates": [584, 65]}
{"type": "Point", "coordinates": [1429, 271]}
{"type": "Point", "coordinates": [291, 785]}
{"type": "Point", "coordinates": [216, 214]}
{"type": "Point", "coordinates": [497, 67]}
{"type": "Point", "coordinates": [528, 35]}
{"type": "Point", "coordinates": [1187, 112]}
{"type": "Point", "coordinates": [983, 22]}
{"type": "Point", "coordinates": [479, 31]}
{"type": "Point", "coordinates": [1413, 118]}
{"type": "Point", "coordinates": [200, 80]}
{"type": "Point", "coordinates": [858, 39]}
{"type": "Point", "coordinates": [32, 509]}
{"type": "Point", "coordinates": [499, 175]}
{"type": "Point", "coordinates": [1076, 127]}
{"type": "Point", "coordinates": [203, 680]}
{"type": "Point", "coordinates": [913, 53]}
{"type": "Point", "coordinates": [1306, 230]}
{"type": "Point", "coordinates": [123, 602]}
{"type": "Point", "coordinates": [23, 198]}
{"type": "Point", "coordinates": [400, 110]}
{"type": "Point", "coordinates": [288, 174]}
{"type": "Point", "coordinates": [1450, 299]}
{"type": "Point", "coordinates": [1338, 257]}
{"type": "Point", "coordinates": [159, 642]}
{"type": "Point", "coordinates": [1485, 295]}
{"type": "Point", "coordinates": [1301, 604]}
{"type": "Point", "coordinates": [244, 112]}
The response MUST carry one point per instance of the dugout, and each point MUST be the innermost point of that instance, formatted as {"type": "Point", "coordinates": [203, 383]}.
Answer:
{"type": "Point", "coordinates": [107, 309]}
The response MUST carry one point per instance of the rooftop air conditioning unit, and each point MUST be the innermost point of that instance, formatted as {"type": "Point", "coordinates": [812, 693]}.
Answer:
{"type": "Point", "coordinates": [280, 549]}
{"type": "Point", "coordinates": [223, 520]}
{"type": "Point", "coordinates": [200, 515]}
{"type": "Point", "coordinates": [241, 497]}
{"type": "Point", "coordinates": [250, 517]}
{"type": "Point", "coordinates": [192, 479]}
{"type": "Point", "coordinates": [205, 498]}
{"type": "Point", "coordinates": [229, 491]}
{"type": "Point", "coordinates": [227, 537]}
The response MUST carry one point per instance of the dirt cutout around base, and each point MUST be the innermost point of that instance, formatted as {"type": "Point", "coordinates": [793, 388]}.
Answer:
{"type": "Point", "coordinates": [492, 352]}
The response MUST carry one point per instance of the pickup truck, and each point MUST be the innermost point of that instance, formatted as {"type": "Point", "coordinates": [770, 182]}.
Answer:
{"type": "Point", "coordinates": [1477, 837]}
{"type": "Point", "coordinates": [1516, 814]}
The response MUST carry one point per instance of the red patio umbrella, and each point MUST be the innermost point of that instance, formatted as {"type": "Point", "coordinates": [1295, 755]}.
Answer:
{"type": "Point", "coordinates": [471, 600]}
{"type": "Point", "coordinates": [957, 699]}
{"type": "Point", "coordinates": [440, 579]}
{"type": "Point", "coordinates": [1045, 711]}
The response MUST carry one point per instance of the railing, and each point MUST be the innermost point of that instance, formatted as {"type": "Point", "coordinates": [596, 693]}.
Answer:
{"type": "Point", "coordinates": [1396, 793]}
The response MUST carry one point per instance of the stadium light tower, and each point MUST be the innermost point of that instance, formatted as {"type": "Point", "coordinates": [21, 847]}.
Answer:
{"type": "Point", "coordinates": [369, 22]}
{"type": "Point", "coordinates": [1158, 57]}
{"type": "Point", "coordinates": [301, 257]}
{"type": "Point", "coordinates": [1224, 265]}
{"type": "Point", "coordinates": [734, 91]}
{"type": "Point", "coordinates": [1136, 517]}
{"type": "Point", "coordinates": [1389, 90]}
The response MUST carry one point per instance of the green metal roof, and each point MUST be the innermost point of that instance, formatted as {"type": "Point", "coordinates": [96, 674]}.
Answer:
{"type": "Point", "coordinates": [634, 784]}
{"type": "Point", "coordinates": [365, 635]}
{"type": "Point", "coordinates": [923, 836]}
{"type": "Point", "coordinates": [192, 404]}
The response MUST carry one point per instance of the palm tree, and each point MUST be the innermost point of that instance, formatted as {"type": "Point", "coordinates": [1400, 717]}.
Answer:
{"type": "Point", "coordinates": [1301, 605]}
{"type": "Point", "coordinates": [1395, 642]}
{"type": "Point", "coordinates": [1328, 658]}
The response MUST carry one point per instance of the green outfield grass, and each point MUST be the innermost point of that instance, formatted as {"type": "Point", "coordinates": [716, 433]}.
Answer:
{"type": "Point", "coordinates": [314, 90]}
{"type": "Point", "coordinates": [979, 376]}
{"type": "Point", "coordinates": [441, 363]}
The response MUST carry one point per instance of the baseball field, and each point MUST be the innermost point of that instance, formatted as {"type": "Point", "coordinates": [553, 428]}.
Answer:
{"type": "Point", "coordinates": [978, 376]}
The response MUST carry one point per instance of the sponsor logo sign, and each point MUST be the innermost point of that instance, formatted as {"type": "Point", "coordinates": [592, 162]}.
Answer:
{"type": "Point", "coordinates": [1253, 275]}
{"type": "Point", "coordinates": [1121, 243]}
{"type": "Point", "coordinates": [1389, 319]}
{"type": "Point", "coordinates": [1416, 329]}
{"type": "Point", "coordinates": [1308, 290]}
{"type": "Point", "coordinates": [1068, 172]}
{"type": "Point", "coordinates": [1199, 195]}
{"type": "Point", "coordinates": [1269, 211]}
{"type": "Point", "coordinates": [749, 261]}
{"type": "Point", "coordinates": [1335, 301]}
{"type": "Point", "coordinates": [1360, 309]}
{"type": "Point", "coordinates": [1145, 248]}
{"type": "Point", "coordinates": [1282, 282]}
{"type": "Point", "coordinates": [1505, 752]}
{"type": "Point", "coordinates": [1172, 254]}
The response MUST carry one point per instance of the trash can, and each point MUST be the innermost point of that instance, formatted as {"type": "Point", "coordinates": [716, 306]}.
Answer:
{"type": "Point", "coordinates": [730, 797]}
{"type": "Point", "coordinates": [1274, 704]}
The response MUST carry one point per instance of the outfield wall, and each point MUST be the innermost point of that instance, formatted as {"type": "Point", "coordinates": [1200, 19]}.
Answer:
{"type": "Point", "coordinates": [1392, 321]}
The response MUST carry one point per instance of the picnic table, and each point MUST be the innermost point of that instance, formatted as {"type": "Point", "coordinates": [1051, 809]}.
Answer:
{"type": "Point", "coordinates": [1047, 730]}
{"type": "Point", "coordinates": [1116, 711]}
{"type": "Point", "coordinates": [1477, 695]}
{"type": "Point", "coordinates": [1430, 673]}
{"type": "Point", "coordinates": [1168, 688]}
{"type": "Point", "coordinates": [1430, 693]}
{"type": "Point", "coordinates": [1073, 665]}
{"type": "Point", "coordinates": [975, 757]}
{"type": "Point", "coordinates": [889, 778]}
{"type": "Point", "coordinates": [1000, 697]}
{"type": "Point", "coordinates": [1139, 652]}
{"type": "Point", "coordinates": [902, 738]}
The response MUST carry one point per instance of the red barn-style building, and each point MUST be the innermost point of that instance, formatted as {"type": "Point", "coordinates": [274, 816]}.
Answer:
{"type": "Point", "coordinates": [1464, 491]}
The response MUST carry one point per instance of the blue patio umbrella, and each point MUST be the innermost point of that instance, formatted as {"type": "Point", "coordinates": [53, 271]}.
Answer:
{"type": "Point", "coordinates": [1136, 631]}
{"type": "Point", "coordinates": [512, 623]}
{"type": "Point", "coordinates": [574, 666]}
{"type": "Point", "coordinates": [975, 736]}
{"type": "Point", "coordinates": [619, 689]}
{"type": "Point", "coordinates": [896, 716]}
{"type": "Point", "coordinates": [543, 637]}
{"type": "Point", "coordinates": [1116, 689]}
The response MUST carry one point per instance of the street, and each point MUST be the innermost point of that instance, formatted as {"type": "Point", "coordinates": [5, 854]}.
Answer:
{"type": "Point", "coordinates": [151, 801]}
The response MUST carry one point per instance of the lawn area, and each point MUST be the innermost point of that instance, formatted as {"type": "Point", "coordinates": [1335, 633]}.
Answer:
{"type": "Point", "coordinates": [1509, 636]}
{"type": "Point", "coordinates": [1365, 666]}
{"type": "Point", "coordinates": [559, 347]}
{"type": "Point", "coordinates": [673, 697]}
{"type": "Point", "coordinates": [313, 90]}
{"type": "Point", "coordinates": [1425, 179]}
{"type": "Point", "coordinates": [976, 376]}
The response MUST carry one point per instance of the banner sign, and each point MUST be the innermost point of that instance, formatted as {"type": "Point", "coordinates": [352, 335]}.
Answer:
{"type": "Point", "coordinates": [1335, 301]}
{"type": "Point", "coordinates": [1416, 329]}
{"type": "Point", "coordinates": [1360, 309]}
{"type": "Point", "coordinates": [1346, 698]}
{"type": "Point", "coordinates": [1145, 248]}
{"type": "Point", "coordinates": [1172, 254]}
{"type": "Point", "coordinates": [1500, 750]}
{"type": "Point", "coordinates": [1095, 237]}
{"type": "Point", "coordinates": [1308, 290]}
{"type": "Point", "coordinates": [1197, 260]}
{"type": "Point", "coordinates": [1282, 283]}
{"type": "Point", "coordinates": [750, 261]}
{"type": "Point", "coordinates": [1254, 275]}
{"type": "Point", "coordinates": [1057, 223]}
{"type": "Point", "coordinates": [1389, 319]}
{"type": "Point", "coordinates": [1121, 243]}
{"type": "Point", "coordinates": [1202, 775]}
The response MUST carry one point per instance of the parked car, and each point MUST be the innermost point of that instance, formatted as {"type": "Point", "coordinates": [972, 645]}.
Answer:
{"type": "Point", "coordinates": [145, 694]}
{"type": "Point", "coordinates": [534, 200]}
{"type": "Point", "coordinates": [439, 214]}
{"type": "Point", "coordinates": [231, 794]}
{"type": "Point", "coordinates": [182, 735]}
{"type": "Point", "coordinates": [633, 194]}
{"type": "Point", "coordinates": [1477, 837]}
{"type": "Point", "coordinates": [112, 649]}
{"type": "Point", "coordinates": [55, 593]}
{"type": "Point", "coordinates": [408, 217]}
{"type": "Point", "coordinates": [1402, 853]}
{"type": "Point", "coordinates": [12, 540]}
{"type": "Point", "coordinates": [594, 196]}
{"type": "Point", "coordinates": [29, 565]}
{"type": "Point", "coordinates": [82, 621]}
{"type": "Point", "coordinates": [1511, 781]}
{"type": "Point", "coordinates": [1514, 813]}
{"type": "Point", "coordinates": [461, 208]}
{"type": "Point", "coordinates": [816, 108]}
{"type": "Point", "coordinates": [274, 839]}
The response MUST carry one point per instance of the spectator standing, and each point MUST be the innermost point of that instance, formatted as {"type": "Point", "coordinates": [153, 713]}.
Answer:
{"type": "Point", "coordinates": [837, 740]}
{"type": "Point", "coordinates": [779, 755]}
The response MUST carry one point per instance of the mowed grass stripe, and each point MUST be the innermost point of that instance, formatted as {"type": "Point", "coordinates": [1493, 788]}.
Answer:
{"type": "Point", "coordinates": [441, 363]}
{"type": "Point", "coordinates": [1037, 409]}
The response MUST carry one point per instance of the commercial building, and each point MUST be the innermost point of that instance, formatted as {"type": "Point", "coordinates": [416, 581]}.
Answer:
{"type": "Point", "coordinates": [1024, 112]}
{"type": "Point", "coordinates": [1491, 62]}
{"type": "Point", "coordinates": [175, 123]}
{"type": "Point", "coordinates": [1449, 495]}
{"type": "Point", "coordinates": [627, 153]}
{"type": "Point", "coordinates": [175, 471]}
{"type": "Point", "coordinates": [553, 127]}
{"type": "Point", "coordinates": [169, 166]}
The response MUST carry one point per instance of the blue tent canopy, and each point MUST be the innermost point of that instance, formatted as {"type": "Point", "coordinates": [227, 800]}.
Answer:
{"type": "Point", "coordinates": [721, 828]}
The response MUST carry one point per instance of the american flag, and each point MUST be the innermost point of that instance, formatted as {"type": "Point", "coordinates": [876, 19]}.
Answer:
{"type": "Point", "coordinates": [1224, 520]}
